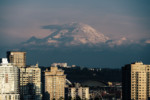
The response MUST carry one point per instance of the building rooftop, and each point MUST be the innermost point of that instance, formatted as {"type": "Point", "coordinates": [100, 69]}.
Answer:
{"type": "Point", "coordinates": [139, 63]}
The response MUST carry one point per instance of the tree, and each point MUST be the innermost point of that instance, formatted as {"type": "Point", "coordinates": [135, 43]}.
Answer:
{"type": "Point", "coordinates": [78, 98]}
{"type": "Point", "coordinates": [69, 98]}
{"type": "Point", "coordinates": [61, 98]}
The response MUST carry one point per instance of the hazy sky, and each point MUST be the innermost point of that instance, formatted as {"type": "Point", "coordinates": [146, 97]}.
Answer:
{"type": "Point", "coordinates": [116, 19]}
{"type": "Point", "coordinates": [22, 19]}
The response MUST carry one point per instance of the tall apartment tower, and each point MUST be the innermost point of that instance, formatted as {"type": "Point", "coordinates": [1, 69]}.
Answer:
{"type": "Point", "coordinates": [136, 81]}
{"type": "Point", "coordinates": [9, 81]}
{"type": "Point", "coordinates": [30, 83]}
{"type": "Point", "coordinates": [30, 77]}
{"type": "Point", "coordinates": [17, 58]}
{"type": "Point", "coordinates": [55, 81]}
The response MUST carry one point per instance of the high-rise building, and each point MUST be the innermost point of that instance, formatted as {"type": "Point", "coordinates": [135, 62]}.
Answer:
{"type": "Point", "coordinates": [136, 81]}
{"type": "Point", "coordinates": [9, 81]}
{"type": "Point", "coordinates": [17, 58]}
{"type": "Point", "coordinates": [79, 92]}
{"type": "Point", "coordinates": [30, 77]}
{"type": "Point", "coordinates": [55, 81]}
{"type": "Point", "coordinates": [30, 83]}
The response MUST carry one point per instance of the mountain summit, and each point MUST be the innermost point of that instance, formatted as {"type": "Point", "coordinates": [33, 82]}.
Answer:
{"type": "Point", "coordinates": [72, 34]}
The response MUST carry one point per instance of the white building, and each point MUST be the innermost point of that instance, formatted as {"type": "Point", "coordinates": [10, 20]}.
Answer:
{"type": "Point", "coordinates": [9, 81]}
{"type": "Point", "coordinates": [59, 65]}
{"type": "Point", "coordinates": [78, 91]}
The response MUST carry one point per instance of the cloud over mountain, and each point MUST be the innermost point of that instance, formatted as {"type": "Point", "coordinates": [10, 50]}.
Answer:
{"type": "Point", "coordinates": [73, 34]}
{"type": "Point", "coordinates": [78, 34]}
{"type": "Point", "coordinates": [147, 41]}
{"type": "Point", "coordinates": [80, 44]}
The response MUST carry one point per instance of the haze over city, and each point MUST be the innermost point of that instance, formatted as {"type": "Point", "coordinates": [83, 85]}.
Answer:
{"type": "Point", "coordinates": [91, 33]}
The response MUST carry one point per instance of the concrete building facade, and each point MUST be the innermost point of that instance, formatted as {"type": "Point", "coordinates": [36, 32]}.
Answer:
{"type": "Point", "coordinates": [136, 81]}
{"type": "Point", "coordinates": [17, 58]}
{"type": "Point", "coordinates": [59, 65]}
{"type": "Point", "coordinates": [55, 81]}
{"type": "Point", "coordinates": [79, 92]}
{"type": "Point", "coordinates": [30, 77]}
{"type": "Point", "coordinates": [30, 83]}
{"type": "Point", "coordinates": [9, 81]}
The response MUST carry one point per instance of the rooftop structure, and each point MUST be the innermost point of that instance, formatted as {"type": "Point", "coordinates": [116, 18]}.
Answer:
{"type": "Point", "coordinates": [17, 58]}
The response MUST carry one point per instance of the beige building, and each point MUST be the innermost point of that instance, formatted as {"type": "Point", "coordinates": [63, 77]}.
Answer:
{"type": "Point", "coordinates": [30, 83]}
{"type": "Point", "coordinates": [55, 81]}
{"type": "Point", "coordinates": [17, 58]}
{"type": "Point", "coordinates": [78, 91]}
{"type": "Point", "coordinates": [9, 97]}
{"type": "Point", "coordinates": [30, 77]}
{"type": "Point", "coordinates": [136, 81]}
{"type": "Point", "coordinates": [9, 81]}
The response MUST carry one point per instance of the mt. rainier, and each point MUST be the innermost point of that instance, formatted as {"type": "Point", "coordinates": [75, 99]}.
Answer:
{"type": "Point", "coordinates": [69, 35]}
{"type": "Point", "coordinates": [80, 44]}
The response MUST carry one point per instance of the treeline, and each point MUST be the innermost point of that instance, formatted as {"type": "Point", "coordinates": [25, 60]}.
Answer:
{"type": "Point", "coordinates": [79, 74]}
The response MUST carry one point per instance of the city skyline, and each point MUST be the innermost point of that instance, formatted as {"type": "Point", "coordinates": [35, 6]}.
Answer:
{"type": "Point", "coordinates": [41, 83]}
{"type": "Point", "coordinates": [124, 26]}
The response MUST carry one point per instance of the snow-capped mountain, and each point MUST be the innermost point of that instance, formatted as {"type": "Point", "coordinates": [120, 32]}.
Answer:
{"type": "Point", "coordinates": [70, 35]}
{"type": "Point", "coordinates": [80, 44]}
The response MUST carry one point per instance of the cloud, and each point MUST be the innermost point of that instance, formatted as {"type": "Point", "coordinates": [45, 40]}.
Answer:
{"type": "Point", "coordinates": [121, 41]}
{"type": "Point", "coordinates": [76, 34]}
{"type": "Point", "coordinates": [23, 19]}
{"type": "Point", "coordinates": [147, 41]}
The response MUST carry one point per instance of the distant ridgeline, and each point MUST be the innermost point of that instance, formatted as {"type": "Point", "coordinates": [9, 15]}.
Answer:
{"type": "Point", "coordinates": [101, 75]}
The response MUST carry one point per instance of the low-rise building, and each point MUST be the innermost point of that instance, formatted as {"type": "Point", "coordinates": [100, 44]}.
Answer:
{"type": "Point", "coordinates": [79, 92]}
